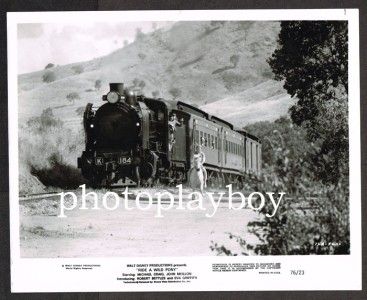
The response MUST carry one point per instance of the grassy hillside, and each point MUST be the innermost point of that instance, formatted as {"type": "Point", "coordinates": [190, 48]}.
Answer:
{"type": "Point", "coordinates": [206, 61]}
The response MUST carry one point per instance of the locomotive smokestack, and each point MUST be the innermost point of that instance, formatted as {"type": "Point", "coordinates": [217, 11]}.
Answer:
{"type": "Point", "coordinates": [117, 87]}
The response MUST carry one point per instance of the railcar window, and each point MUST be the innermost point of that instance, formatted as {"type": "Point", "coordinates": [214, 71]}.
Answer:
{"type": "Point", "coordinates": [215, 143]}
{"type": "Point", "coordinates": [251, 156]}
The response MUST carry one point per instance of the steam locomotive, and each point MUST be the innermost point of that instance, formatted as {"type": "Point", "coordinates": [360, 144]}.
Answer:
{"type": "Point", "coordinates": [145, 140]}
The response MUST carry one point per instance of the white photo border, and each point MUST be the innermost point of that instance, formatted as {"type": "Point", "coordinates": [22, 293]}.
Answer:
{"type": "Point", "coordinates": [322, 272]}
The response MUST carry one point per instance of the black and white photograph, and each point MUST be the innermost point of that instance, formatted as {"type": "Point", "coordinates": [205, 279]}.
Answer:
{"type": "Point", "coordinates": [221, 137]}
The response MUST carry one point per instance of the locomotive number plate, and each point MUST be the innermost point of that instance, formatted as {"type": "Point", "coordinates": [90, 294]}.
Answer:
{"type": "Point", "coordinates": [125, 160]}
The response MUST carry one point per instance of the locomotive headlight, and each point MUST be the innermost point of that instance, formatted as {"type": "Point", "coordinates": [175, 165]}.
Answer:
{"type": "Point", "coordinates": [113, 97]}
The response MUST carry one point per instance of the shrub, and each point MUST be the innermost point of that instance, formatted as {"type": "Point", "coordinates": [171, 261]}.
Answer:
{"type": "Point", "coordinates": [48, 153]}
{"type": "Point", "coordinates": [175, 92]}
{"type": "Point", "coordinates": [98, 84]}
{"type": "Point", "coordinates": [141, 84]}
{"type": "Point", "coordinates": [139, 35]}
{"type": "Point", "coordinates": [44, 121]}
{"type": "Point", "coordinates": [155, 94]}
{"type": "Point", "coordinates": [49, 66]}
{"type": "Point", "coordinates": [78, 69]}
{"type": "Point", "coordinates": [232, 80]}
{"type": "Point", "coordinates": [142, 56]}
{"type": "Point", "coordinates": [48, 76]}
{"type": "Point", "coordinates": [234, 59]}
{"type": "Point", "coordinates": [72, 97]}
{"type": "Point", "coordinates": [136, 82]}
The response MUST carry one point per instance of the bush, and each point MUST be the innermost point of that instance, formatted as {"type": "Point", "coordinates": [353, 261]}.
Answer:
{"type": "Point", "coordinates": [48, 154]}
{"type": "Point", "coordinates": [142, 56]}
{"type": "Point", "coordinates": [141, 85]}
{"type": "Point", "coordinates": [139, 35]}
{"type": "Point", "coordinates": [78, 69]}
{"type": "Point", "coordinates": [44, 121]}
{"type": "Point", "coordinates": [98, 84]}
{"type": "Point", "coordinates": [233, 80]}
{"type": "Point", "coordinates": [175, 92]}
{"type": "Point", "coordinates": [49, 66]}
{"type": "Point", "coordinates": [72, 97]}
{"type": "Point", "coordinates": [234, 59]}
{"type": "Point", "coordinates": [155, 94]}
{"type": "Point", "coordinates": [136, 82]}
{"type": "Point", "coordinates": [48, 77]}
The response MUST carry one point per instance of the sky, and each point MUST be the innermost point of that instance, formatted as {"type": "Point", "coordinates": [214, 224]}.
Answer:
{"type": "Point", "coordinates": [60, 44]}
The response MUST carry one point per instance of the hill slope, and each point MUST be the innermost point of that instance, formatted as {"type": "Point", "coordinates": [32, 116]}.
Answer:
{"type": "Point", "coordinates": [205, 61]}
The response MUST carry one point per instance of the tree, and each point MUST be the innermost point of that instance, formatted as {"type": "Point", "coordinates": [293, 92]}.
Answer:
{"type": "Point", "coordinates": [312, 59]}
{"type": "Point", "coordinates": [175, 92]}
{"type": "Point", "coordinates": [48, 76]}
{"type": "Point", "coordinates": [98, 84]}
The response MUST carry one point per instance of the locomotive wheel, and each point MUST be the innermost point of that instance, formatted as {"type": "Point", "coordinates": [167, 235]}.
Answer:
{"type": "Point", "coordinates": [238, 183]}
{"type": "Point", "coordinates": [215, 180]}
{"type": "Point", "coordinates": [221, 180]}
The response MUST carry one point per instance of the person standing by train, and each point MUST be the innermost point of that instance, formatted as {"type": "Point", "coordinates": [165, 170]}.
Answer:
{"type": "Point", "coordinates": [199, 153]}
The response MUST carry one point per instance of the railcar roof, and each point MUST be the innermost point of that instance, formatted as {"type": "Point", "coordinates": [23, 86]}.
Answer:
{"type": "Point", "coordinates": [175, 104]}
